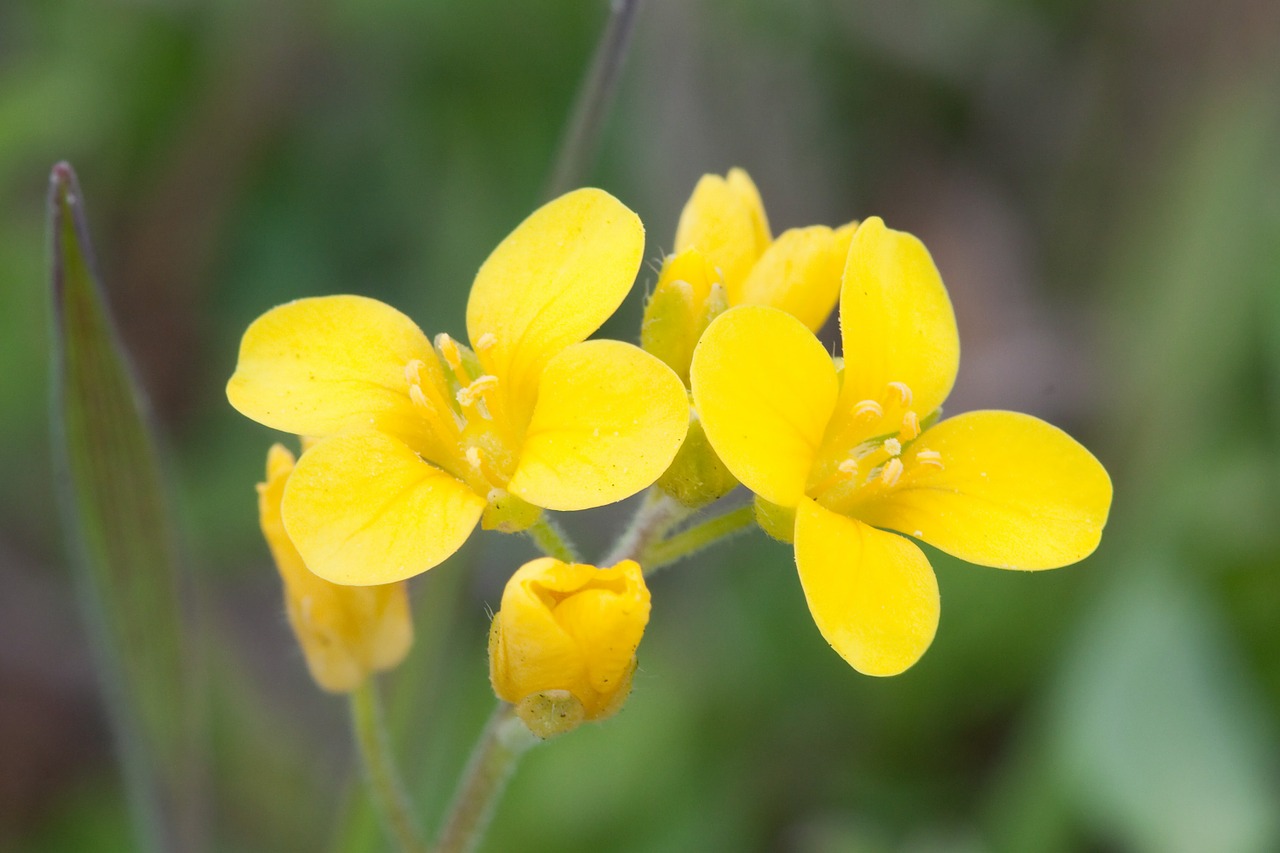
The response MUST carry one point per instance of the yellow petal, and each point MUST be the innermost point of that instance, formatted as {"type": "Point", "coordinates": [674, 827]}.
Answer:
{"type": "Point", "coordinates": [345, 632]}
{"type": "Point", "coordinates": [896, 320]}
{"type": "Point", "coordinates": [764, 388]}
{"type": "Point", "coordinates": [362, 509]}
{"type": "Point", "coordinates": [724, 219]}
{"type": "Point", "coordinates": [1012, 492]}
{"type": "Point", "coordinates": [872, 594]}
{"type": "Point", "coordinates": [317, 366]}
{"type": "Point", "coordinates": [549, 284]}
{"type": "Point", "coordinates": [608, 421]}
{"type": "Point", "coordinates": [799, 273]}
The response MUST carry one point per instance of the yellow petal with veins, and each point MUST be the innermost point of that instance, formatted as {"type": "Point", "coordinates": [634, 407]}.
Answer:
{"type": "Point", "coordinates": [551, 283]}
{"type": "Point", "coordinates": [895, 320]}
{"type": "Point", "coordinates": [800, 274]}
{"type": "Point", "coordinates": [764, 388]}
{"type": "Point", "coordinates": [320, 365]}
{"type": "Point", "coordinates": [872, 594]}
{"type": "Point", "coordinates": [724, 219]}
{"type": "Point", "coordinates": [608, 421]}
{"type": "Point", "coordinates": [1011, 491]}
{"type": "Point", "coordinates": [362, 509]}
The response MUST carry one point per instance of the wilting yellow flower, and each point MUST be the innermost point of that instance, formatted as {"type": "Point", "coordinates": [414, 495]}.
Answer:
{"type": "Point", "coordinates": [845, 456]}
{"type": "Point", "coordinates": [346, 633]}
{"type": "Point", "coordinates": [562, 648]}
{"type": "Point", "coordinates": [417, 442]}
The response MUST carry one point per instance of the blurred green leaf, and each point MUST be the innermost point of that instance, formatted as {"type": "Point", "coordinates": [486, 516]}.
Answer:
{"type": "Point", "coordinates": [1162, 743]}
{"type": "Point", "coordinates": [116, 522]}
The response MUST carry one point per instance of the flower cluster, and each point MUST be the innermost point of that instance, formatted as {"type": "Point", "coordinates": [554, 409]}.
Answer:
{"type": "Point", "coordinates": [412, 442]}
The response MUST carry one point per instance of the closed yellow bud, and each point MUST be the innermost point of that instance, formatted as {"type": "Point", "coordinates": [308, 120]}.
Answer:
{"type": "Point", "coordinates": [562, 648]}
{"type": "Point", "coordinates": [346, 632]}
{"type": "Point", "coordinates": [688, 296]}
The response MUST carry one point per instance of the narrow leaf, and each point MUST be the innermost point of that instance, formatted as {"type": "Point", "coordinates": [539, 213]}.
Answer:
{"type": "Point", "coordinates": [115, 519]}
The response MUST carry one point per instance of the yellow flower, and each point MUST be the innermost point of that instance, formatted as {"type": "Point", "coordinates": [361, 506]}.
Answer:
{"type": "Point", "coordinates": [562, 648]}
{"type": "Point", "coordinates": [845, 456]}
{"type": "Point", "coordinates": [417, 443]}
{"type": "Point", "coordinates": [346, 633]}
{"type": "Point", "coordinates": [726, 256]}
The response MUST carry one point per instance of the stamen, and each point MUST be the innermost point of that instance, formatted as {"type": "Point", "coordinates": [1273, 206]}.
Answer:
{"type": "Point", "coordinates": [475, 392]}
{"type": "Point", "coordinates": [910, 426]}
{"type": "Point", "coordinates": [453, 357]}
{"type": "Point", "coordinates": [474, 457]}
{"type": "Point", "coordinates": [891, 472]}
{"type": "Point", "coordinates": [892, 446]}
{"type": "Point", "coordinates": [411, 369]}
{"type": "Point", "coordinates": [902, 390]}
{"type": "Point", "coordinates": [848, 466]}
{"type": "Point", "coordinates": [868, 411]}
{"type": "Point", "coordinates": [929, 457]}
{"type": "Point", "coordinates": [418, 398]}
{"type": "Point", "coordinates": [486, 341]}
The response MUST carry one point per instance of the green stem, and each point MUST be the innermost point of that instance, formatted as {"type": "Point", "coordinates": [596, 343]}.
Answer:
{"type": "Point", "coordinates": [686, 542]}
{"type": "Point", "coordinates": [657, 515]}
{"type": "Point", "coordinates": [504, 740]}
{"type": "Point", "coordinates": [385, 788]}
{"type": "Point", "coordinates": [578, 148]}
{"type": "Point", "coordinates": [553, 541]}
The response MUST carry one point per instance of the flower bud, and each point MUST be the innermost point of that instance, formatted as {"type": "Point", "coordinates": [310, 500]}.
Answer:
{"type": "Point", "coordinates": [688, 296]}
{"type": "Point", "coordinates": [562, 648]}
{"type": "Point", "coordinates": [696, 476]}
{"type": "Point", "coordinates": [346, 632]}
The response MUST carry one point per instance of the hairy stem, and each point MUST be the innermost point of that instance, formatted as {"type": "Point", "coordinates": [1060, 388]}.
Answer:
{"type": "Point", "coordinates": [692, 540]}
{"type": "Point", "coordinates": [553, 541]}
{"type": "Point", "coordinates": [385, 787]}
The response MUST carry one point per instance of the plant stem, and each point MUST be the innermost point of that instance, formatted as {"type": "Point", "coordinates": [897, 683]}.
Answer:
{"type": "Point", "coordinates": [504, 740]}
{"type": "Point", "coordinates": [385, 788]}
{"type": "Point", "coordinates": [687, 542]}
{"type": "Point", "coordinates": [658, 514]}
{"type": "Point", "coordinates": [553, 541]}
{"type": "Point", "coordinates": [578, 147]}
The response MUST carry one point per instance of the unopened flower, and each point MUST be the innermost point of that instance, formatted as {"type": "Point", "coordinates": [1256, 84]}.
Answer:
{"type": "Point", "coordinates": [418, 442]}
{"type": "Point", "coordinates": [842, 457]}
{"type": "Point", "coordinates": [725, 255]}
{"type": "Point", "coordinates": [346, 633]}
{"type": "Point", "coordinates": [562, 648]}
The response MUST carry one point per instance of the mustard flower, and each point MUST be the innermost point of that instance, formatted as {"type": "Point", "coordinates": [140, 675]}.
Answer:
{"type": "Point", "coordinates": [417, 443]}
{"type": "Point", "coordinates": [562, 648]}
{"type": "Point", "coordinates": [346, 633]}
{"type": "Point", "coordinates": [725, 255]}
{"type": "Point", "coordinates": [845, 459]}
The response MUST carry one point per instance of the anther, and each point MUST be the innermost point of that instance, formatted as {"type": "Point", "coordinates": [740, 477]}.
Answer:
{"type": "Point", "coordinates": [910, 426]}
{"type": "Point", "coordinates": [452, 356]}
{"type": "Point", "coordinates": [929, 457]}
{"type": "Point", "coordinates": [416, 395]}
{"type": "Point", "coordinates": [411, 369]}
{"type": "Point", "coordinates": [474, 392]}
{"type": "Point", "coordinates": [892, 446]}
{"type": "Point", "coordinates": [848, 466]}
{"type": "Point", "coordinates": [473, 457]}
{"type": "Point", "coordinates": [891, 472]}
{"type": "Point", "coordinates": [868, 411]}
{"type": "Point", "coordinates": [487, 340]}
{"type": "Point", "coordinates": [902, 390]}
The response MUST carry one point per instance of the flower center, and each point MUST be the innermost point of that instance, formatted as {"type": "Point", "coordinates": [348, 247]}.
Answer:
{"type": "Point", "coordinates": [465, 417]}
{"type": "Point", "coordinates": [868, 448]}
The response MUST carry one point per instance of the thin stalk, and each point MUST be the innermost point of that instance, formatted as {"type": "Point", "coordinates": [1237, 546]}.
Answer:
{"type": "Point", "coordinates": [578, 147]}
{"type": "Point", "coordinates": [385, 787]}
{"type": "Point", "coordinates": [657, 515]}
{"type": "Point", "coordinates": [687, 542]}
{"type": "Point", "coordinates": [553, 541]}
{"type": "Point", "coordinates": [502, 743]}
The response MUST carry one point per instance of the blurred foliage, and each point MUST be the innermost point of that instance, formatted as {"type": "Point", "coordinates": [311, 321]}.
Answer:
{"type": "Point", "coordinates": [1099, 185]}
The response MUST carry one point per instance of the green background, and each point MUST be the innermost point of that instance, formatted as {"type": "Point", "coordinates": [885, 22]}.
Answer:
{"type": "Point", "coordinates": [1099, 184]}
